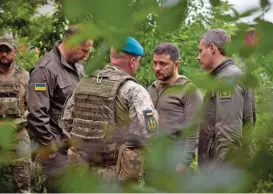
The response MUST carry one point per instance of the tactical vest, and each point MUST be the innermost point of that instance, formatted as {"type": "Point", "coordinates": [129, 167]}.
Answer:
{"type": "Point", "coordinates": [95, 105]}
{"type": "Point", "coordinates": [9, 95]}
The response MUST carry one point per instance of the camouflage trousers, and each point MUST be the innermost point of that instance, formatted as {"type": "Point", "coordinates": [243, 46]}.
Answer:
{"type": "Point", "coordinates": [78, 157]}
{"type": "Point", "coordinates": [15, 174]}
{"type": "Point", "coordinates": [129, 164]}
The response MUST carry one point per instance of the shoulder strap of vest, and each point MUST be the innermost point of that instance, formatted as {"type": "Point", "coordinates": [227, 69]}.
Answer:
{"type": "Point", "coordinates": [17, 75]}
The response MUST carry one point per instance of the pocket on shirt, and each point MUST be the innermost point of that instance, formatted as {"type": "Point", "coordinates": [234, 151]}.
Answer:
{"type": "Point", "coordinates": [65, 87]}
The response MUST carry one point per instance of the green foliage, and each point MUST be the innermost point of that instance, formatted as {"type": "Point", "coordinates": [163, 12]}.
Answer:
{"type": "Point", "coordinates": [7, 133]}
{"type": "Point", "coordinates": [152, 22]}
{"type": "Point", "coordinates": [16, 19]}
{"type": "Point", "coordinates": [38, 179]}
{"type": "Point", "coordinates": [166, 24]}
{"type": "Point", "coordinates": [26, 25]}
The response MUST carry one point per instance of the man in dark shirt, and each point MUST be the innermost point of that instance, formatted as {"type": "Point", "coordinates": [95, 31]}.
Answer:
{"type": "Point", "coordinates": [51, 81]}
{"type": "Point", "coordinates": [228, 109]}
{"type": "Point", "coordinates": [177, 100]}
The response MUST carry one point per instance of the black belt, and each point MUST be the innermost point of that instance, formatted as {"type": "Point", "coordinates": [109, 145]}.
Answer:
{"type": "Point", "coordinates": [8, 95]}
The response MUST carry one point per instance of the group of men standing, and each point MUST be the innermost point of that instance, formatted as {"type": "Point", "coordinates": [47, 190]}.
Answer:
{"type": "Point", "coordinates": [112, 117]}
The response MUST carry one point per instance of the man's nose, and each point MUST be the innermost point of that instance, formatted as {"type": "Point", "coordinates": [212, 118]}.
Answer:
{"type": "Point", "coordinates": [86, 55]}
{"type": "Point", "coordinates": [3, 54]}
{"type": "Point", "coordinates": [157, 67]}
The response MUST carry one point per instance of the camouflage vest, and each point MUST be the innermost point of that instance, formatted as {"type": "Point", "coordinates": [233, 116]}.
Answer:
{"type": "Point", "coordinates": [9, 95]}
{"type": "Point", "coordinates": [95, 104]}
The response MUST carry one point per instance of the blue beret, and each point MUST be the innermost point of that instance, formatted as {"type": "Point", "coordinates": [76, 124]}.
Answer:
{"type": "Point", "coordinates": [132, 46]}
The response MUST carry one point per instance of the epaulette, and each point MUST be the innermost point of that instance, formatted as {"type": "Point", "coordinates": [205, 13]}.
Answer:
{"type": "Point", "coordinates": [44, 61]}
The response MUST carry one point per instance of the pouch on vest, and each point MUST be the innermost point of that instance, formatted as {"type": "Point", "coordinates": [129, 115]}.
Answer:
{"type": "Point", "coordinates": [130, 163]}
{"type": "Point", "coordinates": [9, 101]}
{"type": "Point", "coordinates": [88, 129]}
{"type": "Point", "coordinates": [9, 106]}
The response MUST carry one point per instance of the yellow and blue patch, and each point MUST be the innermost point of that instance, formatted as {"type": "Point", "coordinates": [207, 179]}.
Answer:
{"type": "Point", "coordinates": [150, 121]}
{"type": "Point", "coordinates": [40, 87]}
{"type": "Point", "coordinates": [226, 94]}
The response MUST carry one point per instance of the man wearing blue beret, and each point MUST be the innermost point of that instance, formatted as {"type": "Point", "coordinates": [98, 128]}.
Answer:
{"type": "Point", "coordinates": [112, 116]}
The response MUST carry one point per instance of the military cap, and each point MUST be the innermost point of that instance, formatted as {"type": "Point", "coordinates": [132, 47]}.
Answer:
{"type": "Point", "coordinates": [10, 42]}
{"type": "Point", "coordinates": [133, 47]}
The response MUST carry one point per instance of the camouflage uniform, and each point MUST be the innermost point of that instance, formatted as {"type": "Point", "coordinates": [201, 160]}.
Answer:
{"type": "Point", "coordinates": [15, 176]}
{"type": "Point", "coordinates": [134, 117]}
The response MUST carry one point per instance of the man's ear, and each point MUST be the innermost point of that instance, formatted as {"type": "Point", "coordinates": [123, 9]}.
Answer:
{"type": "Point", "coordinates": [213, 48]}
{"type": "Point", "coordinates": [177, 64]}
{"type": "Point", "coordinates": [132, 60]}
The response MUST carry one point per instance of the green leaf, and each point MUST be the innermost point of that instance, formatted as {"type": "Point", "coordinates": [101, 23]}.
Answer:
{"type": "Point", "coordinates": [176, 14]}
{"type": "Point", "coordinates": [264, 3]}
{"type": "Point", "coordinates": [215, 3]}
{"type": "Point", "coordinates": [7, 133]}
{"type": "Point", "coordinates": [248, 12]}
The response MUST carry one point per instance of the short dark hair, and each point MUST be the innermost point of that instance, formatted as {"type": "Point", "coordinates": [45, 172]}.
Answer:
{"type": "Point", "coordinates": [169, 49]}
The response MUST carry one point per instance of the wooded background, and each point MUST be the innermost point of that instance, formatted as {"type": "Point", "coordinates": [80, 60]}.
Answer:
{"type": "Point", "coordinates": [153, 21]}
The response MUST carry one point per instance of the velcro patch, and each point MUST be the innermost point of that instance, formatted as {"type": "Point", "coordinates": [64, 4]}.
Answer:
{"type": "Point", "coordinates": [225, 94]}
{"type": "Point", "coordinates": [150, 121]}
{"type": "Point", "coordinates": [40, 87]}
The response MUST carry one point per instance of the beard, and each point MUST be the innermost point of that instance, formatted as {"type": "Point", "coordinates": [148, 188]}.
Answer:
{"type": "Point", "coordinates": [74, 59]}
{"type": "Point", "coordinates": [5, 62]}
{"type": "Point", "coordinates": [166, 76]}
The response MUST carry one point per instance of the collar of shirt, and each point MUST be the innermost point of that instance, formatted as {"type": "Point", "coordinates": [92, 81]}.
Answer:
{"type": "Point", "coordinates": [62, 59]}
{"type": "Point", "coordinates": [114, 67]}
{"type": "Point", "coordinates": [222, 66]}
{"type": "Point", "coordinates": [157, 84]}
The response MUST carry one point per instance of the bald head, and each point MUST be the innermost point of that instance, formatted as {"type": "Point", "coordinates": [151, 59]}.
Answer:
{"type": "Point", "coordinates": [115, 54]}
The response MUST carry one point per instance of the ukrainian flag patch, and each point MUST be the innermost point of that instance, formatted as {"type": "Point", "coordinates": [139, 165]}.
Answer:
{"type": "Point", "coordinates": [40, 87]}
{"type": "Point", "coordinates": [150, 121]}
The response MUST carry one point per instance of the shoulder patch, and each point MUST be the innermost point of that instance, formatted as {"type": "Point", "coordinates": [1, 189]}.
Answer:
{"type": "Point", "coordinates": [150, 121]}
{"type": "Point", "coordinates": [40, 87]}
{"type": "Point", "coordinates": [226, 94]}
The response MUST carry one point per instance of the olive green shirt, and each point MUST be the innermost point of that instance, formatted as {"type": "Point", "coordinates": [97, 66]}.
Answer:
{"type": "Point", "coordinates": [177, 105]}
